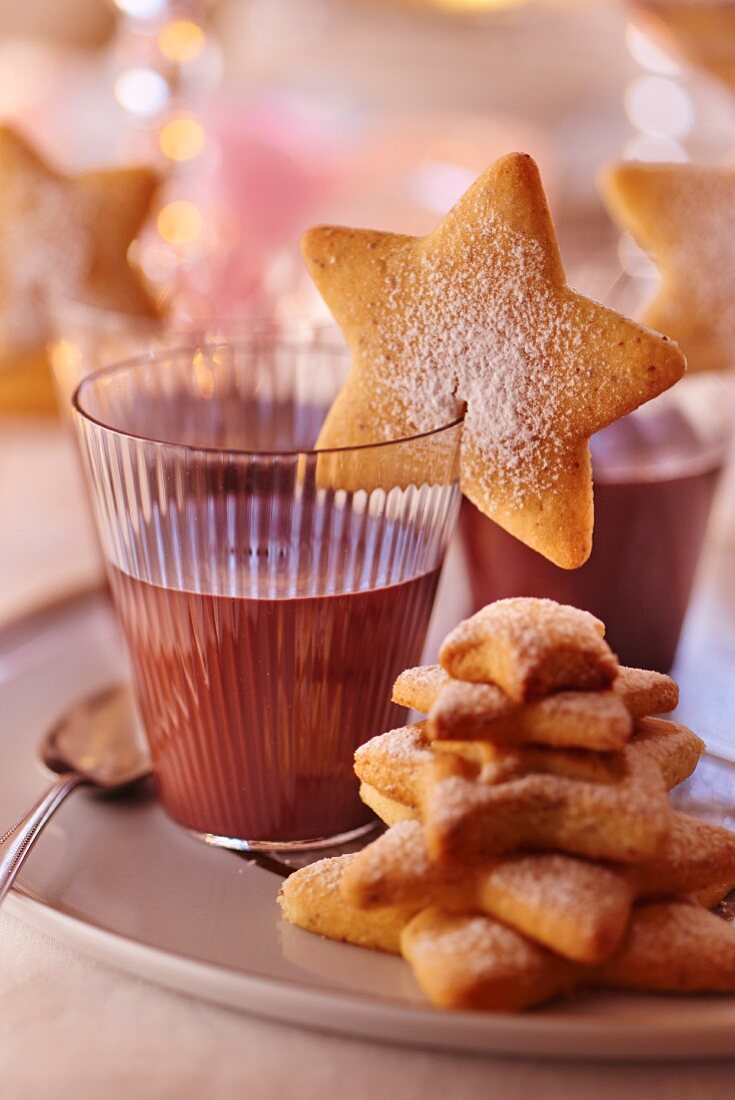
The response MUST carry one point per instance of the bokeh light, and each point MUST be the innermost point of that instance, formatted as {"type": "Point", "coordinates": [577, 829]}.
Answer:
{"type": "Point", "coordinates": [634, 260]}
{"type": "Point", "coordinates": [142, 91]}
{"type": "Point", "coordinates": [657, 105]}
{"type": "Point", "coordinates": [141, 9]}
{"type": "Point", "coordinates": [182, 138]}
{"type": "Point", "coordinates": [203, 375]}
{"type": "Point", "coordinates": [656, 149]}
{"type": "Point", "coordinates": [476, 5]}
{"type": "Point", "coordinates": [181, 41]}
{"type": "Point", "coordinates": [180, 222]}
{"type": "Point", "coordinates": [648, 55]}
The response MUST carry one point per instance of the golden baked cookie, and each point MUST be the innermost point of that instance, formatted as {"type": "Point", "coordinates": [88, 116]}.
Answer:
{"type": "Point", "coordinates": [577, 908]}
{"type": "Point", "coordinates": [474, 962]}
{"type": "Point", "coordinates": [529, 648]}
{"type": "Point", "coordinates": [391, 762]}
{"type": "Point", "coordinates": [467, 819]}
{"type": "Point", "coordinates": [419, 688]}
{"type": "Point", "coordinates": [389, 810]}
{"type": "Point", "coordinates": [390, 766]}
{"type": "Point", "coordinates": [673, 947]}
{"type": "Point", "coordinates": [460, 708]}
{"type": "Point", "coordinates": [673, 747]}
{"type": "Point", "coordinates": [27, 385]}
{"type": "Point", "coordinates": [682, 215]}
{"type": "Point", "coordinates": [515, 872]}
{"type": "Point", "coordinates": [697, 855]}
{"type": "Point", "coordinates": [644, 692]}
{"type": "Point", "coordinates": [669, 945]}
{"type": "Point", "coordinates": [468, 960]}
{"type": "Point", "coordinates": [311, 899]}
{"type": "Point", "coordinates": [477, 318]}
{"type": "Point", "coordinates": [568, 719]}
{"type": "Point", "coordinates": [65, 235]}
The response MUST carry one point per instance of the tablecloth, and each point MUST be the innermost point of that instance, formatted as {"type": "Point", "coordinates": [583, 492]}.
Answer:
{"type": "Point", "coordinates": [47, 545]}
{"type": "Point", "coordinates": [72, 1028]}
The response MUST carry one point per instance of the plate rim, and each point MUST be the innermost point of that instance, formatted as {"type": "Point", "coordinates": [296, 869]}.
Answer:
{"type": "Point", "coordinates": [594, 1039]}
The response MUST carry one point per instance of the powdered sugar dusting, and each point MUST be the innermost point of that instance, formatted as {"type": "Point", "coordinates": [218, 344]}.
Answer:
{"type": "Point", "coordinates": [419, 687]}
{"type": "Point", "coordinates": [408, 744]}
{"type": "Point", "coordinates": [450, 802]}
{"type": "Point", "coordinates": [704, 255]}
{"type": "Point", "coordinates": [324, 874]}
{"type": "Point", "coordinates": [529, 625]}
{"type": "Point", "coordinates": [401, 851]}
{"type": "Point", "coordinates": [478, 948]}
{"type": "Point", "coordinates": [44, 248]}
{"type": "Point", "coordinates": [469, 936]}
{"type": "Point", "coordinates": [424, 675]}
{"type": "Point", "coordinates": [480, 324]}
{"type": "Point", "coordinates": [584, 891]}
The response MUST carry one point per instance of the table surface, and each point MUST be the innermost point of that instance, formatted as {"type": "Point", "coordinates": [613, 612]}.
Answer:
{"type": "Point", "coordinates": [70, 1027]}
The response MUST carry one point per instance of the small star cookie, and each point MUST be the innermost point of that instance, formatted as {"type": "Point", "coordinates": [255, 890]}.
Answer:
{"type": "Point", "coordinates": [477, 318]}
{"type": "Point", "coordinates": [65, 234]}
{"type": "Point", "coordinates": [529, 648]}
{"type": "Point", "coordinates": [682, 215]}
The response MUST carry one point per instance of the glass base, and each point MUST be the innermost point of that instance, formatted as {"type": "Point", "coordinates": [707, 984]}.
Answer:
{"type": "Point", "coordinates": [312, 844]}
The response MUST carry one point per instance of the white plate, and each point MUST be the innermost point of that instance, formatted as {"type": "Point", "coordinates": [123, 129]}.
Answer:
{"type": "Point", "coordinates": [122, 883]}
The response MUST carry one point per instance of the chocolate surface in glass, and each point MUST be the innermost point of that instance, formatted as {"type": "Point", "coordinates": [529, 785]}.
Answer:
{"type": "Point", "coordinates": [254, 707]}
{"type": "Point", "coordinates": [654, 487]}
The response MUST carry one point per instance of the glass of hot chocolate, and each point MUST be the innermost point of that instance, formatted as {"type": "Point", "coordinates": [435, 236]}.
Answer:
{"type": "Point", "coordinates": [269, 593]}
{"type": "Point", "coordinates": [655, 473]}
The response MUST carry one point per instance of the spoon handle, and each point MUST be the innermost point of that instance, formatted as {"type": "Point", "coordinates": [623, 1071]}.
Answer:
{"type": "Point", "coordinates": [18, 841]}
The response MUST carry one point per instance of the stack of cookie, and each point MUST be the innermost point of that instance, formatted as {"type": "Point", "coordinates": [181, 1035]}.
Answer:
{"type": "Point", "coordinates": [532, 848]}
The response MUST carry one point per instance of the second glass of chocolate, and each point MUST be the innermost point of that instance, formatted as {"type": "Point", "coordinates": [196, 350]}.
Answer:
{"type": "Point", "coordinates": [269, 593]}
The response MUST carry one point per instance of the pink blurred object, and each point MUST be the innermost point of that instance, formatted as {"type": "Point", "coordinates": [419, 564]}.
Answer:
{"type": "Point", "coordinates": [271, 170]}
{"type": "Point", "coordinates": [410, 168]}
{"type": "Point", "coordinates": [281, 165]}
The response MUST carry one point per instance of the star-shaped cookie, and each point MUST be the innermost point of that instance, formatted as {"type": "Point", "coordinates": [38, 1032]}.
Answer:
{"type": "Point", "coordinates": [477, 318]}
{"type": "Point", "coordinates": [65, 235]}
{"type": "Point", "coordinates": [682, 214]}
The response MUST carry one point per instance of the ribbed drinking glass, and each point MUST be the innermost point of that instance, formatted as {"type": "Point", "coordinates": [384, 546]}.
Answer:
{"type": "Point", "coordinates": [269, 593]}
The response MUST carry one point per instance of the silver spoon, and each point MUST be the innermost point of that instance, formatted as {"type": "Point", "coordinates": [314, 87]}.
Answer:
{"type": "Point", "coordinates": [98, 742]}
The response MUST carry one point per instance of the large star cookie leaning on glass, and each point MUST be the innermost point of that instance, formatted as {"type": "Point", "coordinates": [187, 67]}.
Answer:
{"type": "Point", "coordinates": [478, 317]}
{"type": "Point", "coordinates": [66, 235]}
{"type": "Point", "coordinates": [682, 215]}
